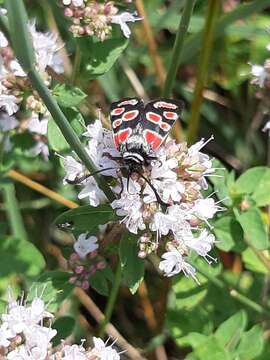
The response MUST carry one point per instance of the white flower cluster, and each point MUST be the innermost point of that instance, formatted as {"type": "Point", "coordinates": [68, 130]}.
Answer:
{"type": "Point", "coordinates": [261, 78]}
{"type": "Point", "coordinates": [17, 98]}
{"type": "Point", "coordinates": [94, 18]}
{"type": "Point", "coordinates": [23, 336]}
{"type": "Point", "coordinates": [178, 176]}
{"type": "Point", "coordinates": [261, 73]}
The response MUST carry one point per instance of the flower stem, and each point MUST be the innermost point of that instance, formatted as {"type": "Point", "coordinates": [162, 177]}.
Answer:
{"type": "Point", "coordinates": [202, 72]}
{"type": "Point", "coordinates": [13, 212]}
{"type": "Point", "coordinates": [177, 49]}
{"type": "Point", "coordinates": [111, 300]}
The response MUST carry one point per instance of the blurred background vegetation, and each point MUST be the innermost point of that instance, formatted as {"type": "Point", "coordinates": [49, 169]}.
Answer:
{"type": "Point", "coordinates": [234, 111]}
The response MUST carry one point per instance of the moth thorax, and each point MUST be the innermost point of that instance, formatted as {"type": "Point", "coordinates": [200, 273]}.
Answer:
{"type": "Point", "coordinates": [134, 157]}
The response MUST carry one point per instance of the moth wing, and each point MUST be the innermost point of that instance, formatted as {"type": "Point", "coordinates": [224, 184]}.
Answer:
{"type": "Point", "coordinates": [158, 118]}
{"type": "Point", "coordinates": [125, 115]}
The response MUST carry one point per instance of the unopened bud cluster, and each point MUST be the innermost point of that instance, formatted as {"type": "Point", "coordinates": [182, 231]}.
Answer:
{"type": "Point", "coordinates": [94, 18]}
{"type": "Point", "coordinates": [91, 18]}
{"type": "Point", "coordinates": [82, 269]}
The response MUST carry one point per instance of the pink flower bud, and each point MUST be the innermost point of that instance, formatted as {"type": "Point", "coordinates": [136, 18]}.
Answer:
{"type": "Point", "coordinates": [79, 269]}
{"type": "Point", "coordinates": [142, 254]}
{"type": "Point", "coordinates": [85, 285]}
{"type": "Point", "coordinates": [68, 12]}
{"type": "Point", "coordinates": [93, 254]}
{"type": "Point", "coordinates": [194, 221]}
{"type": "Point", "coordinates": [74, 257]}
{"type": "Point", "coordinates": [72, 280]}
{"type": "Point", "coordinates": [92, 269]}
{"type": "Point", "coordinates": [101, 265]}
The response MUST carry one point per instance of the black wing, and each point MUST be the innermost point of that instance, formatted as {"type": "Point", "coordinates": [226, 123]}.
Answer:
{"type": "Point", "coordinates": [158, 119]}
{"type": "Point", "coordinates": [125, 115]}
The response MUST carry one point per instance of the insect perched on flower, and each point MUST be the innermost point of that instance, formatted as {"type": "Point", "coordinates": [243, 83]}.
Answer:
{"type": "Point", "coordinates": [139, 130]}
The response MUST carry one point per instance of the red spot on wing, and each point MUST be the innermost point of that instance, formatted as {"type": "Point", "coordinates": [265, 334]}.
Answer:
{"type": "Point", "coordinates": [130, 115]}
{"type": "Point", "coordinates": [164, 126]}
{"type": "Point", "coordinates": [121, 136]}
{"type": "Point", "coordinates": [117, 123]}
{"type": "Point", "coordinates": [116, 140]}
{"type": "Point", "coordinates": [170, 115]}
{"type": "Point", "coordinates": [117, 111]}
{"type": "Point", "coordinates": [165, 105]}
{"type": "Point", "coordinates": [152, 138]}
{"type": "Point", "coordinates": [155, 118]}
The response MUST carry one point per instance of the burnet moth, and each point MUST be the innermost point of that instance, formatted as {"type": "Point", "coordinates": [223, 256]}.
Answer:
{"type": "Point", "coordinates": [139, 130]}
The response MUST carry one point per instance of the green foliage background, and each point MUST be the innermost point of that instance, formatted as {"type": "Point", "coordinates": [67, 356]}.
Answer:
{"type": "Point", "coordinates": [227, 315]}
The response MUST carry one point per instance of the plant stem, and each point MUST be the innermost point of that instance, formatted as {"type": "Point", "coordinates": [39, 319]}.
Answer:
{"type": "Point", "coordinates": [13, 212]}
{"type": "Point", "coordinates": [15, 175]}
{"type": "Point", "coordinates": [178, 45]}
{"type": "Point", "coordinates": [4, 26]}
{"type": "Point", "coordinates": [241, 12]}
{"type": "Point", "coordinates": [202, 72]}
{"type": "Point", "coordinates": [76, 65]}
{"type": "Point", "coordinates": [233, 292]}
{"type": "Point", "coordinates": [111, 300]}
{"type": "Point", "coordinates": [248, 302]}
{"type": "Point", "coordinates": [66, 129]}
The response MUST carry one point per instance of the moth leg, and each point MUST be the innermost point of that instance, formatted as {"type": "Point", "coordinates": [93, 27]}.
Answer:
{"type": "Point", "coordinates": [159, 200]}
{"type": "Point", "coordinates": [78, 180]}
{"type": "Point", "coordinates": [122, 185]}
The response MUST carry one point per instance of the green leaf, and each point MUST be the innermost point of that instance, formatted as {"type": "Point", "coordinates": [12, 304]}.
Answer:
{"type": "Point", "coordinates": [132, 265]}
{"type": "Point", "coordinates": [3, 306]}
{"type": "Point", "coordinates": [85, 218]}
{"type": "Point", "coordinates": [98, 57]}
{"type": "Point", "coordinates": [64, 326]}
{"type": "Point", "coordinates": [187, 293]}
{"type": "Point", "coordinates": [249, 180]}
{"type": "Point", "coordinates": [211, 350]}
{"type": "Point", "coordinates": [68, 96]}
{"type": "Point", "coordinates": [251, 344]}
{"type": "Point", "coordinates": [254, 228]}
{"type": "Point", "coordinates": [193, 44]}
{"type": "Point", "coordinates": [53, 287]}
{"type": "Point", "coordinates": [230, 332]}
{"type": "Point", "coordinates": [19, 256]}
{"type": "Point", "coordinates": [261, 195]}
{"type": "Point", "coordinates": [56, 140]}
{"type": "Point", "coordinates": [23, 141]}
{"type": "Point", "coordinates": [193, 339]}
{"type": "Point", "coordinates": [99, 282]}
{"type": "Point", "coordinates": [252, 262]}
{"type": "Point", "coordinates": [228, 232]}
